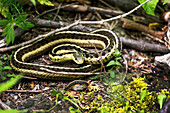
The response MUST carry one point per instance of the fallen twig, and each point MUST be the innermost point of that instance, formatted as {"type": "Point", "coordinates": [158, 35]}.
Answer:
{"type": "Point", "coordinates": [135, 44]}
{"type": "Point", "coordinates": [114, 18]}
{"type": "Point", "coordinates": [38, 37]}
{"type": "Point", "coordinates": [69, 26]}
{"type": "Point", "coordinates": [80, 8]}
{"type": "Point", "coordinates": [4, 106]}
{"type": "Point", "coordinates": [127, 98]}
{"type": "Point", "coordinates": [25, 91]}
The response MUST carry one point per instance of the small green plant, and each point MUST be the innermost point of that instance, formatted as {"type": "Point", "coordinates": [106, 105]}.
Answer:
{"type": "Point", "coordinates": [2, 68]}
{"type": "Point", "coordinates": [4, 57]}
{"type": "Point", "coordinates": [60, 95]}
{"type": "Point", "coordinates": [12, 10]}
{"type": "Point", "coordinates": [161, 99]}
{"type": "Point", "coordinates": [113, 65]}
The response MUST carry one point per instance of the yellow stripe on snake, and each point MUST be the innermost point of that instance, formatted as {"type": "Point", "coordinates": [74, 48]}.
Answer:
{"type": "Point", "coordinates": [67, 45]}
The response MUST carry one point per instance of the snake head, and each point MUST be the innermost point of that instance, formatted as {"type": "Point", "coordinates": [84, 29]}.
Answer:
{"type": "Point", "coordinates": [78, 57]}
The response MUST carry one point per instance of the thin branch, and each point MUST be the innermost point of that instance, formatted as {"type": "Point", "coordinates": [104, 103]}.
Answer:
{"type": "Point", "coordinates": [25, 91]}
{"type": "Point", "coordinates": [38, 37]}
{"type": "Point", "coordinates": [69, 26]}
{"type": "Point", "coordinates": [114, 18]}
{"type": "Point", "coordinates": [4, 106]}
{"type": "Point", "coordinates": [127, 98]}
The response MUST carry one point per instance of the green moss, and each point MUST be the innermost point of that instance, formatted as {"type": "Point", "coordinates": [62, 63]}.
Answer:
{"type": "Point", "coordinates": [127, 99]}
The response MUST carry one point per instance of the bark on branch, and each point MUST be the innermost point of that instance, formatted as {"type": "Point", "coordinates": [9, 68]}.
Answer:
{"type": "Point", "coordinates": [143, 46]}
{"type": "Point", "coordinates": [129, 24]}
{"type": "Point", "coordinates": [134, 44]}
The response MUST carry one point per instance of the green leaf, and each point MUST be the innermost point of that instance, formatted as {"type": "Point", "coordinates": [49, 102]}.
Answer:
{"type": "Point", "coordinates": [142, 111]}
{"type": "Point", "coordinates": [112, 73]}
{"type": "Point", "coordinates": [33, 2]}
{"type": "Point", "coordinates": [9, 84]}
{"type": "Point", "coordinates": [105, 80]}
{"type": "Point", "coordinates": [20, 18]}
{"type": "Point", "coordinates": [25, 25]}
{"type": "Point", "coordinates": [4, 22]}
{"type": "Point", "coordinates": [161, 99]}
{"type": "Point", "coordinates": [9, 58]}
{"type": "Point", "coordinates": [112, 62]}
{"type": "Point", "coordinates": [5, 58]}
{"type": "Point", "coordinates": [45, 2]}
{"type": "Point", "coordinates": [117, 63]}
{"type": "Point", "coordinates": [150, 6]}
{"type": "Point", "coordinates": [73, 110]}
{"type": "Point", "coordinates": [66, 98]}
{"type": "Point", "coordinates": [165, 1]}
{"type": "Point", "coordinates": [7, 28]}
{"type": "Point", "coordinates": [3, 78]}
{"type": "Point", "coordinates": [21, 22]}
{"type": "Point", "coordinates": [117, 53]}
{"type": "Point", "coordinates": [143, 95]}
{"type": "Point", "coordinates": [126, 107]}
{"type": "Point", "coordinates": [95, 77]}
{"type": "Point", "coordinates": [54, 92]}
{"type": "Point", "coordinates": [118, 58]}
{"type": "Point", "coordinates": [7, 67]}
{"type": "Point", "coordinates": [10, 34]}
{"type": "Point", "coordinates": [9, 16]}
{"type": "Point", "coordinates": [4, 10]}
{"type": "Point", "coordinates": [1, 63]}
{"type": "Point", "coordinates": [13, 111]}
{"type": "Point", "coordinates": [121, 99]}
{"type": "Point", "coordinates": [13, 75]}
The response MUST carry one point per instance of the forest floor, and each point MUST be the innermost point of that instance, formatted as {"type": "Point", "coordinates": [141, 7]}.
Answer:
{"type": "Point", "coordinates": [34, 93]}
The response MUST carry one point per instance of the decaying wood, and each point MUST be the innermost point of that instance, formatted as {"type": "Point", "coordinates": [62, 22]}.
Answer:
{"type": "Point", "coordinates": [54, 24]}
{"type": "Point", "coordinates": [129, 24]}
{"type": "Point", "coordinates": [143, 46]}
{"type": "Point", "coordinates": [163, 61]}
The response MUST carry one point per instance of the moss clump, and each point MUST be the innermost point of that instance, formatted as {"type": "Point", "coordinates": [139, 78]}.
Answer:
{"type": "Point", "coordinates": [129, 98]}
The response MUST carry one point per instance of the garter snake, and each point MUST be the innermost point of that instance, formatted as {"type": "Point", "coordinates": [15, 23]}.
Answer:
{"type": "Point", "coordinates": [104, 39]}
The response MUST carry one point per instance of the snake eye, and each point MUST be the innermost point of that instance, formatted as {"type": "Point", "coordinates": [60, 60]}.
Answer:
{"type": "Point", "coordinates": [91, 56]}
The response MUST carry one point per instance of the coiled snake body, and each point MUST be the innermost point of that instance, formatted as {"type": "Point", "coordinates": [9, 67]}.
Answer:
{"type": "Point", "coordinates": [104, 39]}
